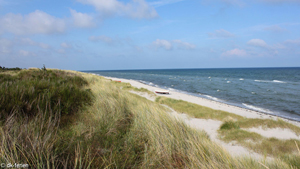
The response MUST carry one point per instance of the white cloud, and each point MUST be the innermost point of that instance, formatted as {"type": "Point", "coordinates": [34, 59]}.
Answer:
{"type": "Point", "coordinates": [82, 20]}
{"type": "Point", "coordinates": [24, 53]}
{"type": "Point", "coordinates": [134, 9]}
{"type": "Point", "coordinates": [112, 40]}
{"type": "Point", "coordinates": [292, 41]}
{"type": "Point", "coordinates": [35, 22]}
{"type": "Point", "coordinates": [65, 45]}
{"type": "Point", "coordinates": [169, 45]}
{"type": "Point", "coordinates": [160, 43]}
{"type": "Point", "coordinates": [30, 42]}
{"type": "Point", "coordinates": [274, 28]}
{"type": "Point", "coordinates": [102, 38]}
{"type": "Point", "coordinates": [220, 34]}
{"type": "Point", "coordinates": [163, 2]}
{"type": "Point", "coordinates": [239, 3]}
{"type": "Point", "coordinates": [184, 45]}
{"type": "Point", "coordinates": [278, 46]}
{"type": "Point", "coordinates": [235, 52]}
{"type": "Point", "coordinates": [5, 46]}
{"type": "Point", "coordinates": [278, 1]}
{"type": "Point", "coordinates": [258, 43]}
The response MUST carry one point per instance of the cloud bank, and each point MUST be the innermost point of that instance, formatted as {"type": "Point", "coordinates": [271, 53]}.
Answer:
{"type": "Point", "coordinates": [82, 20]}
{"type": "Point", "coordinates": [133, 9]}
{"type": "Point", "coordinates": [220, 34]}
{"type": "Point", "coordinates": [258, 43]}
{"type": "Point", "coordinates": [234, 52]}
{"type": "Point", "coordinates": [35, 22]}
{"type": "Point", "coordinates": [169, 45]}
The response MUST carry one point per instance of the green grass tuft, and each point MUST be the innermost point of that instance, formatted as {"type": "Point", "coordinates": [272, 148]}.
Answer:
{"type": "Point", "coordinates": [229, 125]}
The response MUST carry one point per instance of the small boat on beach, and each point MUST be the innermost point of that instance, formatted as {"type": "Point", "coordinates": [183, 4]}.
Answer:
{"type": "Point", "coordinates": [162, 91]}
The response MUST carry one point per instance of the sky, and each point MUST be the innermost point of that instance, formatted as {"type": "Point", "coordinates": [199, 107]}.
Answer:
{"type": "Point", "coordinates": [149, 34]}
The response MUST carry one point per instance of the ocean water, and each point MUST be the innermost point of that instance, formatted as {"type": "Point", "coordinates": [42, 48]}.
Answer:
{"type": "Point", "coordinates": [268, 90]}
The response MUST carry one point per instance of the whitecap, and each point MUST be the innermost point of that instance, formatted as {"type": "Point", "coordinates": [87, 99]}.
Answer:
{"type": "Point", "coordinates": [277, 81]}
{"type": "Point", "coordinates": [228, 81]}
{"type": "Point", "coordinates": [210, 97]}
{"type": "Point", "coordinates": [257, 108]}
{"type": "Point", "coordinates": [266, 81]}
{"type": "Point", "coordinates": [209, 77]}
{"type": "Point", "coordinates": [262, 81]}
{"type": "Point", "coordinates": [241, 79]}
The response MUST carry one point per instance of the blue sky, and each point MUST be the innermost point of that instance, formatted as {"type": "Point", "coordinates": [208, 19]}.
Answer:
{"type": "Point", "coordinates": [149, 34]}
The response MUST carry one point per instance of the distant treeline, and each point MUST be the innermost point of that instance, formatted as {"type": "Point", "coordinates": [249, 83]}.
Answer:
{"type": "Point", "coordinates": [5, 68]}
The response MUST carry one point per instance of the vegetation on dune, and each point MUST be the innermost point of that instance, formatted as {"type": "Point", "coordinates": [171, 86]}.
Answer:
{"type": "Point", "coordinates": [233, 129]}
{"type": "Point", "coordinates": [3, 69]}
{"type": "Point", "coordinates": [129, 87]}
{"type": "Point", "coordinates": [85, 121]}
{"type": "Point", "coordinates": [196, 110]}
{"type": "Point", "coordinates": [30, 91]}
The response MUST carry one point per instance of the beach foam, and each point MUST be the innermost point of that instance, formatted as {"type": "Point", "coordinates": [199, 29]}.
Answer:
{"type": "Point", "coordinates": [257, 108]}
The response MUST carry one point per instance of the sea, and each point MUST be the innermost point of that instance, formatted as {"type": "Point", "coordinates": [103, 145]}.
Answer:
{"type": "Point", "coordinates": [274, 91]}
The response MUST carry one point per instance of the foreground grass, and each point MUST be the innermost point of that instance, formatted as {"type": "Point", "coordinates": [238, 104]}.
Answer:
{"type": "Point", "coordinates": [233, 125]}
{"type": "Point", "coordinates": [116, 130]}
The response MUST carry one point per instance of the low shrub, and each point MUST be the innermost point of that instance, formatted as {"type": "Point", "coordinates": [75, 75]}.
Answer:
{"type": "Point", "coordinates": [51, 90]}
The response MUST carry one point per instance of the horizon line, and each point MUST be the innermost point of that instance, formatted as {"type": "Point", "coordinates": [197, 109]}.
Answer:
{"type": "Point", "coordinates": [192, 68]}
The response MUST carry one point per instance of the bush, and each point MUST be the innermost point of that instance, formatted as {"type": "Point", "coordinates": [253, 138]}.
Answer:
{"type": "Point", "coordinates": [229, 125]}
{"type": "Point", "coordinates": [50, 90]}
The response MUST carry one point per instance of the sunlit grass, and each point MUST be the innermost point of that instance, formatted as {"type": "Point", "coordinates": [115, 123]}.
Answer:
{"type": "Point", "coordinates": [117, 129]}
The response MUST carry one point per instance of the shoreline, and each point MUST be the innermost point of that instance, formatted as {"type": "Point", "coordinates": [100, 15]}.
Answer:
{"type": "Point", "coordinates": [248, 113]}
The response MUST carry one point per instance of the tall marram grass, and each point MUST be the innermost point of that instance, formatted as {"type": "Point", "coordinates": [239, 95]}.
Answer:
{"type": "Point", "coordinates": [34, 105]}
{"type": "Point", "coordinates": [117, 130]}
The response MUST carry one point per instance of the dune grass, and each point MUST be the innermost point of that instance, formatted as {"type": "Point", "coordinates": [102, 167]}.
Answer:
{"type": "Point", "coordinates": [283, 149]}
{"type": "Point", "coordinates": [116, 130]}
{"type": "Point", "coordinates": [233, 125]}
{"type": "Point", "coordinates": [129, 87]}
{"type": "Point", "coordinates": [195, 110]}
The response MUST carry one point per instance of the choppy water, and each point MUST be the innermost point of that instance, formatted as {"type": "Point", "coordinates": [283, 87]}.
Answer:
{"type": "Point", "coordinates": [268, 90]}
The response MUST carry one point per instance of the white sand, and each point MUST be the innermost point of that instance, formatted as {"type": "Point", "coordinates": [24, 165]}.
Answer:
{"type": "Point", "coordinates": [211, 126]}
{"type": "Point", "coordinates": [279, 133]}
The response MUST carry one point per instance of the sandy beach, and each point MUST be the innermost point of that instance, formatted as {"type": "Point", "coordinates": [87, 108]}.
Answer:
{"type": "Point", "coordinates": [211, 126]}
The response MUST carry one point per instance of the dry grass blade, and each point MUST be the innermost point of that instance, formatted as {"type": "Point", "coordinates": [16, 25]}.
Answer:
{"type": "Point", "coordinates": [263, 165]}
{"type": "Point", "coordinates": [297, 147]}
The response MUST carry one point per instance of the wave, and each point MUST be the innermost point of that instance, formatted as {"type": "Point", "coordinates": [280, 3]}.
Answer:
{"type": "Point", "coordinates": [267, 81]}
{"type": "Point", "coordinates": [210, 97]}
{"type": "Point", "coordinates": [277, 81]}
{"type": "Point", "coordinates": [257, 108]}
